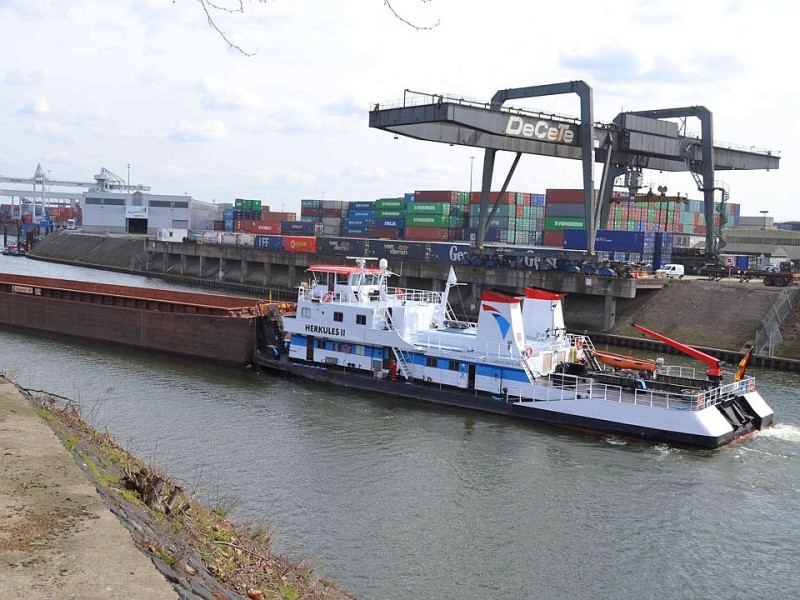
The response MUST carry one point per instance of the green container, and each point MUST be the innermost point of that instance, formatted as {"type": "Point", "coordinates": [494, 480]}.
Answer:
{"type": "Point", "coordinates": [389, 213]}
{"type": "Point", "coordinates": [390, 204]}
{"type": "Point", "coordinates": [428, 208]}
{"type": "Point", "coordinates": [562, 223]}
{"type": "Point", "coordinates": [428, 221]}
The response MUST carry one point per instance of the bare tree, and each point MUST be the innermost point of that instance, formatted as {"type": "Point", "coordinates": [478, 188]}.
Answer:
{"type": "Point", "coordinates": [212, 9]}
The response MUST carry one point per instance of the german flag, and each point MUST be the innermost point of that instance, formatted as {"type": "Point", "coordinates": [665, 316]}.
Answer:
{"type": "Point", "coordinates": [743, 365]}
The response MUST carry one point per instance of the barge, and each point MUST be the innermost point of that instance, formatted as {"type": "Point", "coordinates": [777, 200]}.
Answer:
{"type": "Point", "coordinates": [206, 326]}
{"type": "Point", "coordinates": [352, 329]}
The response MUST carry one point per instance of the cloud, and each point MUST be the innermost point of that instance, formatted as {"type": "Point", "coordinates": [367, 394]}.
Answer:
{"type": "Point", "coordinates": [21, 76]}
{"type": "Point", "coordinates": [217, 94]}
{"type": "Point", "coordinates": [613, 65]}
{"type": "Point", "coordinates": [345, 107]}
{"type": "Point", "coordinates": [51, 129]}
{"type": "Point", "coordinates": [205, 131]}
{"type": "Point", "coordinates": [37, 106]}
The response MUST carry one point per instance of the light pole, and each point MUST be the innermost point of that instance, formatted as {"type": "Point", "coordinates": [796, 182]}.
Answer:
{"type": "Point", "coordinates": [764, 229]}
{"type": "Point", "coordinates": [129, 177]}
{"type": "Point", "coordinates": [471, 164]}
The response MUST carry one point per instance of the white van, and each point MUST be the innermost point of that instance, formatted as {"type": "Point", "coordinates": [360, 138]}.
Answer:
{"type": "Point", "coordinates": [670, 270]}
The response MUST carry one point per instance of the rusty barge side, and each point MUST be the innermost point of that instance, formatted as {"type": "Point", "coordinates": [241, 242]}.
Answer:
{"type": "Point", "coordinates": [205, 326]}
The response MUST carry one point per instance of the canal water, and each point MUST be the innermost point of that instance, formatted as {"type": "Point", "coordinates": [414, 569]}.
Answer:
{"type": "Point", "coordinates": [395, 500]}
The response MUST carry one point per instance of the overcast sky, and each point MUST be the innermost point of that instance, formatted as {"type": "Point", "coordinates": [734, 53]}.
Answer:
{"type": "Point", "coordinates": [89, 84]}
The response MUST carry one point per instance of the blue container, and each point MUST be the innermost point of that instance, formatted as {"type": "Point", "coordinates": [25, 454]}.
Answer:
{"type": "Point", "coordinates": [390, 223]}
{"type": "Point", "coordinates": [403, 250]}
{"type": "Point", "coordinates": [357, 222]}
{"type": "Point", "coordinates": [575, 239]}
{"type": "Point", "coordinates": [341, 246]}
{"type": "Point", "coordinates": [353, 230]}
{"type": "Point", "coordinates": [408, 197]}
{"type": "Point", "coordinates": [361, 206]}
{"type": "Point", "coordinates": [298, 227]}
{"type": "Point", "coordinates": [361, 214]}
{"type": "Point", "coordinates": [450, 253]}
{"type": "Point", "coordinates": [269, 242]}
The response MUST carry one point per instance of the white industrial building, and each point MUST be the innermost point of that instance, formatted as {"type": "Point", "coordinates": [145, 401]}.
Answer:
{"type": "Point", "coordinates": [144, 213]}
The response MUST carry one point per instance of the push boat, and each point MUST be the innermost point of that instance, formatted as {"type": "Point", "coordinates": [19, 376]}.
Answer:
{"type": "Point", "coordinates": [352, 329]}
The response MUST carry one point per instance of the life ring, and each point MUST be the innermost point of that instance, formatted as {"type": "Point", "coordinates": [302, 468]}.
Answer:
{"type": "Point", "coordinates": [328, 297]}
{"type": "Point", "coordinates": [579, 343]}
{"type": "Point", "coordinates": [528, 351]}
{"type": "Point", "coordinates": [398, 292]}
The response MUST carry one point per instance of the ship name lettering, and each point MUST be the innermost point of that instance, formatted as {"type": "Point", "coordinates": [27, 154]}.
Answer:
{"type": "Point", "coordinates": [325, 330]}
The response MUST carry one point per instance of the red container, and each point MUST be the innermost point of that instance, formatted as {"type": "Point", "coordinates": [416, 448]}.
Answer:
{"type": "Point", "coordinates": [261, 227]}
{"type": "Point", "coordinates": [508, 198]}
{"type": "Point", "coordinates": [298, 243]}
{"type": "Point", "coordinates": [450, 197]}
{"type": "Point", "coordinates": [561, 196]}
{"type": "Point", "coordinates": [392, 233]}
{"type": "Point", "coordinates": [553, 239]}
{"type": "Point", "coordinates": [430, 234]}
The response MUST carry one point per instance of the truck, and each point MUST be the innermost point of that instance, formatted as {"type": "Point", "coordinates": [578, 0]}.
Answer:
{"type": "Point", "coordinates": [786, 274]}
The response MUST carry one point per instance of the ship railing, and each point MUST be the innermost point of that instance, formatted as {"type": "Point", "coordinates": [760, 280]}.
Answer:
{"type": "Point", "coordinates": [418, 296]}
{"type": "Point", "coordinates": [676, 371]}
{"type": "Point", "coordinates": [570, 387]}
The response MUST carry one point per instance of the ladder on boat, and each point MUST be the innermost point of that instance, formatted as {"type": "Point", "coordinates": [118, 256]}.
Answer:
{"type": "Point", "coordinates": [590, 358]}
{"type": "Point", "coordinates": [404, 363]}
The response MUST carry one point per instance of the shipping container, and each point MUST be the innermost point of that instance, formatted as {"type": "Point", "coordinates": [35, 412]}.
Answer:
{"type": "Point", "coordinates": [392, 233]}
{"type": "Point", "coordinates": [507, 198]}
{"type": "Point", "coordinates": [395, 223]}
{"type": "Point", "coordinates": [565, 210]}
{"type": "Point", "coordinates": [450, 253]}
{"type": "Point", "coordinates": [298, 227]}
{"type": "Point", "coordinates": [429, 234]}
{"type": "Point", "coordinates": [428, 208]}
{"type": "Point", "coordinates": [269, 242]}
{"type": "Point", "coordinates": [341, 246]}
{"type": "Point", "coordinates": [561, 223]}
{"type": "Point", "coordinates": [553, 239]}
{"type": "Point", "coordinates": [297, 243]}
{"type": "Point", "coordinates": [445, 196]}
{"type": "Point", "coordinates": [369, 206]}
{"type": "Point", "coordinates": [400, 250]}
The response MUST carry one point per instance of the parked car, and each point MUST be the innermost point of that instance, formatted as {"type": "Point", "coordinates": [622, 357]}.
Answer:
{"type": "Point", "coordinates": [670, 270]}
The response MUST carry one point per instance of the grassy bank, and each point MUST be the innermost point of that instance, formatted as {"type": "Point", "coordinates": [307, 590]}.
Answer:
{"type": "Point", "coordinates": [197, 548]}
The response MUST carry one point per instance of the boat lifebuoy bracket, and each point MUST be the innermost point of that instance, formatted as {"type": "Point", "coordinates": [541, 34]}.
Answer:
{"type": "Point", "coordinates": [328, 297]}
{"type": "Point", "coordinates": [528, 351]}
{"type": "Point", "coordinates": [399, 293]}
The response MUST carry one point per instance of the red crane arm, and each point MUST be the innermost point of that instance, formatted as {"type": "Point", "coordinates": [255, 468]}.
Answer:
{"type": "Point", "coordinates": [711, 361]}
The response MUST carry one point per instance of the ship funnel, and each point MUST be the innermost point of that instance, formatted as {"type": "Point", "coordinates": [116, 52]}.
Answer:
{"type": "Point", "coordinates": [500, 326]}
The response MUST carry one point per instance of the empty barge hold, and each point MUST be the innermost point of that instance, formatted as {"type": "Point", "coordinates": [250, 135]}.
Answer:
{"type": "Point", "coordinates": [206, 326]}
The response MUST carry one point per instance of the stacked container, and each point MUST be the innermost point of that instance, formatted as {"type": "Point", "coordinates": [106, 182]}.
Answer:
{"type": "Point", "coordinates": [359, 219]}
{"type": "Point", "coordinates": [436, 215]}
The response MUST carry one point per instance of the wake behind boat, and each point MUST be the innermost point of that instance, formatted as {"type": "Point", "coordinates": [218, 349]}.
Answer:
{"type": "Point", "coordinates": [352, 328]}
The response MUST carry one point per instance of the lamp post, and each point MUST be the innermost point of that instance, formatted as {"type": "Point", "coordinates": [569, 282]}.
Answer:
{"type": "Point", "coordinates": [471, 164]}
{"type": "Point", "coordinates": [764, 229]}
{"type": "Point", "coordinates": [129, 177]}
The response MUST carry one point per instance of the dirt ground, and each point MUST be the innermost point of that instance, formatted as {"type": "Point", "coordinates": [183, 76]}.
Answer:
{"type": "Point", "coordinates": [58, 539]}
{"type": "Point", "coordinates": [713, 314]}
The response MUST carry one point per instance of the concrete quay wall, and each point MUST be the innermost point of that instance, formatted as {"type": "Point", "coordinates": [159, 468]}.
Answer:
{"type": "Point", "coordinates": [711, 314]}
